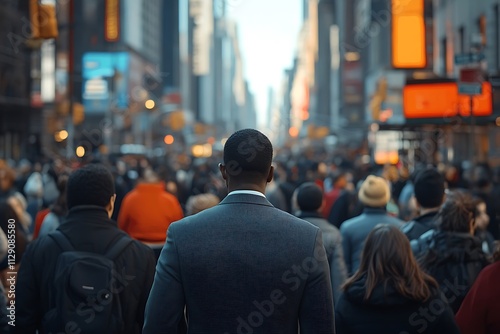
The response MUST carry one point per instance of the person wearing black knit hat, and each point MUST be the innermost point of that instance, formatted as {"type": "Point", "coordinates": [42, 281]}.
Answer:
{"type": "Point", "coordinates": [429, 192]}
{"type": "Point", "coordinates": [88, 228]}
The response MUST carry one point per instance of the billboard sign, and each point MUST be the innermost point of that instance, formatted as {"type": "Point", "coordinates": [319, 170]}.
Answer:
{"type": "Point", "coordinates": [105, 81]}
{"type": "Point", "coordinates": [442, 100]}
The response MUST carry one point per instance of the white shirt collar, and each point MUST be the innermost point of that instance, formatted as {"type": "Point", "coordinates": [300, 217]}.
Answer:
{"type": "Point", "coordinates": [247, 192]}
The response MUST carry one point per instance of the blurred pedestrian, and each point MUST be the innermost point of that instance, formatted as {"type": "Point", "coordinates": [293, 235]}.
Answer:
{"type": "Point", "coordinates": [429, 187]}
{"type": "Point", "coordinates": [339, 183]}
{"type": "Point", "coordinates": [450, 253]}
{"type": "Point", "coordinates": [148, 210]}
{"type": "Point", "coordinates": [75, 252]}
{"type": "Point", "coordinates": [198, 203]}
{"type": "Point", "coordinates": [483, 188]}
{"type": "Point", "coordinates": [9, 216]}
{"type": "Point", "coordinates": [57, 211]}
{"type": "Point", "coordinates": [19, 204]}
{"type": "Point", "coordinates": [238, 267]}
{"type": "Point", "coordinates": [374, 194]}
{"type": "Point", "coordinates": [7, 178]}
{"type": "Point", "coordinates": [309, 198]}
{"type": "Point", "coordinates": [481, 224]}
{"type": "Point", "coordinates": [389, 293]}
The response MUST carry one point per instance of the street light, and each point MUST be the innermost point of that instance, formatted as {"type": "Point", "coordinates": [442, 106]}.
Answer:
{"type": "Point", "coordinates": [150, 104]}
{"type": "Point", "coordinates": [80, 151]}
{"type": "Point", "coordinates": [169, 139]}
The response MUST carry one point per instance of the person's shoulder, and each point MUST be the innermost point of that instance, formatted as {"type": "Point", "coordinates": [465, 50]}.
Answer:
{"type": "Point", "coordinates": [491, 271]}
{"type": "Point", "coordinates": [350, 224]}
{"type": "Point", "coordinates": [135, 247]}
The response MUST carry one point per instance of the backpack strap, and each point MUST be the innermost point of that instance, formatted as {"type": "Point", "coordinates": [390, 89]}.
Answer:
{"type": "Point", "coordinates": [115, 250]}
{"type": "Point", "coordinates": [62, 241]}
{"type": "Point", "coordinates": [118, 247]}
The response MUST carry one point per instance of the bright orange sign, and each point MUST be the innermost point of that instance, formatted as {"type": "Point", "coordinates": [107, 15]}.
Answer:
{"type": "Point", "coordinates": [441, 100]}
{"type": "Point", "coordinates": [408, 34]}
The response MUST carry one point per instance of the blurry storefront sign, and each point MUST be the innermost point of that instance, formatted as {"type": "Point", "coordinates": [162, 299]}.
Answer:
{"type": "Point", "coordinates": [112, 21]}
{"type": "Point", "coordinates": [387, 145]}
{"type": "Point", "coordinates": [201, 11]}
{"type": "Point", "coordinates": [104, 81]}
{"type": "Point", "coordinates": [384, 97]}
{"type": "Point", "coordinates": [442, 100]}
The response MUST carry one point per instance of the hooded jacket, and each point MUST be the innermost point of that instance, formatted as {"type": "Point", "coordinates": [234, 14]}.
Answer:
{"type": "Point", "coordinates": [388, 312]}
{"type": "Point", "coordinates": [453, 259]}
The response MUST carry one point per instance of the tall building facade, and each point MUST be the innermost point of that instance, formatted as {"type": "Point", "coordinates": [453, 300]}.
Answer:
{"type": "Point", "coordinates": [20, 101]}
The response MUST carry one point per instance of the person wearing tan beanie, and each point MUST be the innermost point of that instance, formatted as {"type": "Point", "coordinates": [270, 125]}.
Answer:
{"type": "Point", "coordinates": [374, 194]}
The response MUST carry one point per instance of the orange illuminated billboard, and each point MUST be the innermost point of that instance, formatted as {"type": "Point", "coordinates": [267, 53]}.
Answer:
{"type": "Point", "coordinates": [408, 34]}
{"type": "Point", "coordinates": [441, 100]}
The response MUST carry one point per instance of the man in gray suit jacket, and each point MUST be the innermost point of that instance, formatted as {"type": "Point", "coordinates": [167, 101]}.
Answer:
{"type": "Point", "coordinates": [242, 266]}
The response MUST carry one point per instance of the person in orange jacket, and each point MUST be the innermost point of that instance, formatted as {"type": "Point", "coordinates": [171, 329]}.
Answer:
{"type": "Point", "coordinates": [148, 210]}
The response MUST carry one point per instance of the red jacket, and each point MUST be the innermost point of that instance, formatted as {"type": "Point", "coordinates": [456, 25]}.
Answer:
{"type": "Point", "coordinates": [147, 212]}
{"type": "Point", "coordinates": [480, 310]}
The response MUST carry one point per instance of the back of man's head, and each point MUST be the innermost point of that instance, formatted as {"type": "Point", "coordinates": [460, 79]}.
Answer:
{"type": "Point", "coordinates": [248, 152]}
{"type": "Point", "coordinates": [429, 188]}
{"type": "Point", "coordinates": [309, 197]}
{"type": "Point", "coordinates": [90, 185]}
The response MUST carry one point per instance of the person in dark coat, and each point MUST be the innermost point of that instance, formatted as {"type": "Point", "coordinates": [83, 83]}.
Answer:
{"type": "Point", "coordinates": [390, 294]}
{"type": "Point", "coordinates": [309, 198]}
{"type": "Point", "coordinates": [483, 188]}
{"type": "Point", "coordinates": [481, 232]}
{"type": "Point", "coordinates": [451, 254]}
{"type": "Point", "coordinates": [429, 193]}
{"type": "Point", "coordinates": [374, 193]}
{"type": "Point", "coordinates": [242, 266]}
{"type": "Point", "coordinates": [88, 227]}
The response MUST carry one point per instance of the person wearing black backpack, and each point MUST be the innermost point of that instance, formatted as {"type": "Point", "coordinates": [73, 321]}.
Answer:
{"type": "Point", "coordinates": [88, 276]}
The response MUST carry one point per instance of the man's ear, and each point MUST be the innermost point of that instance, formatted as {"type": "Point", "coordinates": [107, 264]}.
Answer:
{"type": "Point", "coordinates": [223, 172]}
{"type": "Point", "coordinates": [111, 205]}
{"type": "Point", "coordinates": [270, 175]}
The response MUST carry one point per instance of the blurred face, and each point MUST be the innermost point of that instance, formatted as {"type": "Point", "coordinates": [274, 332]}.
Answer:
{"type": "Point", "coordinates": [482, 218]}
{"type": "Point", "coordinates": [5, 183]}
{"type": "Point", "coordinates": [341, 182]}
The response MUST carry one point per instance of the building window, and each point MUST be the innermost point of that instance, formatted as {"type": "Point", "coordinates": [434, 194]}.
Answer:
{"type": "Point", "coordinates": [461, 39]}
{"type": "Point", "coordinates": [444, 55]}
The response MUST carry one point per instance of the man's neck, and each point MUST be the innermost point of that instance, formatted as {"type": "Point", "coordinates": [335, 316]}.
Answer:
{"type": "Point", "coordinates": [247, 186]}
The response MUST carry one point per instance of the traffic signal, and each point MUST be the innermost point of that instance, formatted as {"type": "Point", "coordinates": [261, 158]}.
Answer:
{"type": "Point", "coordinates": [43, 20]}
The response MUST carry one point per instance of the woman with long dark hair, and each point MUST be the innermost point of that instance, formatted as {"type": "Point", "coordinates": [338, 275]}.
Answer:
{"type": "Point", "coordinates": [390, 293]}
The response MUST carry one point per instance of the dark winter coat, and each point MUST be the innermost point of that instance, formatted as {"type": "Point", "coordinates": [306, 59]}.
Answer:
{"type": "Point", "coordinates": [453, 259]}
{"type": "Point", "coordinates": [388, 312]}
{"type": "Point", "coordinates": [418, 226]}
{"type": "Point", "coordinates": [89, 229]}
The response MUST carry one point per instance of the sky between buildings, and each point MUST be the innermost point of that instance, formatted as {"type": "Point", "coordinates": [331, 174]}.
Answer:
{"type": "Point", "coordinates": [268, 33]}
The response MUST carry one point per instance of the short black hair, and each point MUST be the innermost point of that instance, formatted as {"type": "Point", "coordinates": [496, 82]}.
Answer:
{"type": "Point", "coordinates": [248, 151]}
{"type": "Point", "coordinates": [309, 197]}
{"type": "Point", "coordinates": [429, 188]}
{"type": "Point", "coordinates": [90, 185]}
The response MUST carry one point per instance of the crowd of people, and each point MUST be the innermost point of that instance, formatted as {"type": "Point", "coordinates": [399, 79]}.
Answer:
{"type": "Point", "coordinates": [404, 251]}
